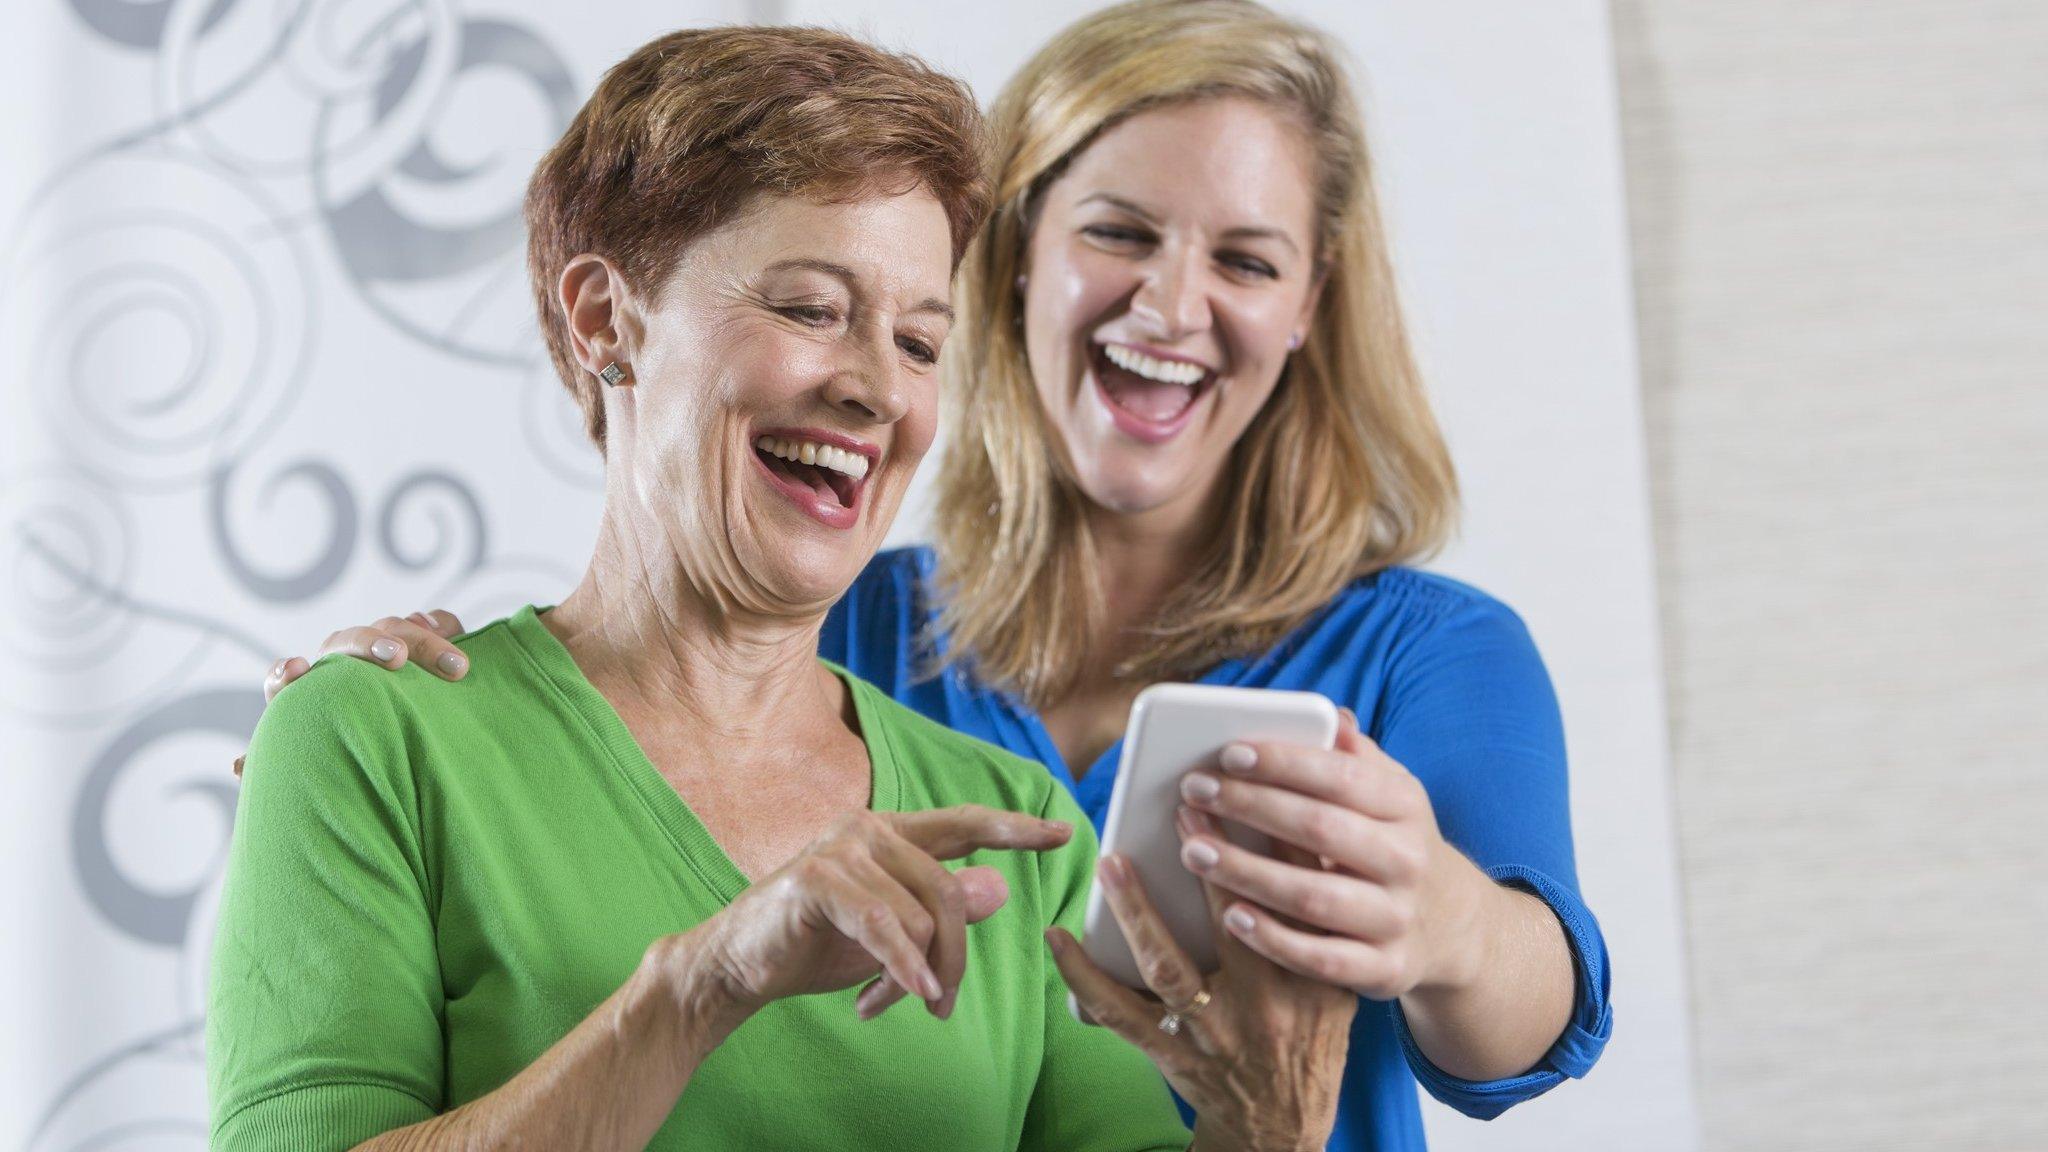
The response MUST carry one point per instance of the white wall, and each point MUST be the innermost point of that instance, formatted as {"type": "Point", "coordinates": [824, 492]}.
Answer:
{"type": "Point", "coordinates": [1842, 260]}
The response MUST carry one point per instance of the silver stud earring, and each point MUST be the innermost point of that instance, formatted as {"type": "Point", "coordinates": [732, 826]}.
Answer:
{"type": "Point", "coordinates": [611, 374]}
{"type": "Point", "coordinates": [1294, 342]}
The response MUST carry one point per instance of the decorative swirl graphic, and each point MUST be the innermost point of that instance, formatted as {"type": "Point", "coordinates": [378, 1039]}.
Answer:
{"type": "Point", "coordinates": [158, 313]}
{"type": "Point", "coordinates": [65, 554]}
{"type": "Point", "coordinates": [456, 523]}
{"type": "Point", "coordinates": [554, 429]}
{"type": "Point", "coordinates": [140, 23]}
{"type": "Point", "coordinates": [318, 574]}
{"type": "Point", "coordinates": [504, 585]}
{"type": "Point", "coordinates": [420, 220]}
{"type": "Point", "coordinates": [248, 94]}
{"type": "Point", "coordinates": [163, 323]}
{"type": "Point", "coordinates": [148, 1095]}
{"type": "Point", "coordinates": [71, 620]}
{"type": "Point", "coordinates": [143, 910]}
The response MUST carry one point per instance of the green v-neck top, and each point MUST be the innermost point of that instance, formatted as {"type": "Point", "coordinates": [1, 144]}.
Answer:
{"type": "Point", "coordinates": [431, 883]}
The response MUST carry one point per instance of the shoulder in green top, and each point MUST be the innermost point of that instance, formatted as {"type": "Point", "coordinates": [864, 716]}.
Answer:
{"type": "Point", "coordinates": [431, 883]}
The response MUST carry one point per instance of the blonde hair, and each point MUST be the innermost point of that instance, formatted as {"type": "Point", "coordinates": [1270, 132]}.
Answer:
{"type": "Point", "coordinates": [1342, 473]}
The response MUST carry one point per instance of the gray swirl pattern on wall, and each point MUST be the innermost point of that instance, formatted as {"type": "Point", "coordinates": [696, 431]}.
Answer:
{"type": "Point", "coordinates": [292, 161]}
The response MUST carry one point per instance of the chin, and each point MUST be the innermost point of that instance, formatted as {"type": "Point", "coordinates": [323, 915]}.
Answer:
{"type": "Point", "coordinates": [1130, 489]}
{"type": "Point", "coordinates": [799, 573]}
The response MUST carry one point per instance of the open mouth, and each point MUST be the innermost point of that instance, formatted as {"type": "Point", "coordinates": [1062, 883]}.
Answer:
{"type": "Point", "coordinates": [1148, 397]}
{"type": "Point", "coordinates": [823, 477]}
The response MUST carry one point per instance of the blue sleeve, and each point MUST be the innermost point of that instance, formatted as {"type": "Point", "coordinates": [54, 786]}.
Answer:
{"type": "Point", "coordinates": [1470, 710]}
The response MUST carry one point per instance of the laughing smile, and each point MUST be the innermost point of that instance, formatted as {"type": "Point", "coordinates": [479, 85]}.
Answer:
{"type": "Point", "coordinates": [1149, 396]}
{"type": "Point", "coordinates": [823, 473]}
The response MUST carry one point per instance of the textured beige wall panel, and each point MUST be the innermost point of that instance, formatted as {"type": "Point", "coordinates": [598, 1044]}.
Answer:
{"type": "Point", "coordinates": [1840, 220]}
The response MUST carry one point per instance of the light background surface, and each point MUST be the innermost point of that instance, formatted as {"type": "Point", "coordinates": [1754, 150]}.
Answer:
{"type": "Point", "coordinates": [1842, 279]}
{"type": "Point", "coordinates": [271, 369]}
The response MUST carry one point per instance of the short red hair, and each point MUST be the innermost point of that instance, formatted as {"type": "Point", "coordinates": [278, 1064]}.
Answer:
{"type": "Point", "coordinates": [682, 133]}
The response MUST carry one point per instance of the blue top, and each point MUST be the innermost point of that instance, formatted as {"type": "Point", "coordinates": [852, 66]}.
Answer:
{"type": "Point", "coordinates": [1443, 677]}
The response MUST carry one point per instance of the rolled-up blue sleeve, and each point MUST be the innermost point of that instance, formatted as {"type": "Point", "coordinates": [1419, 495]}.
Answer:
{"type": "Point", "coordinates": [1471, 711]}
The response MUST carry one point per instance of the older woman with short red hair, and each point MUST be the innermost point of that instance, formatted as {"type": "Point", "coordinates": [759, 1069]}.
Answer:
{"type": "Point", "coordinates": [653, 874]}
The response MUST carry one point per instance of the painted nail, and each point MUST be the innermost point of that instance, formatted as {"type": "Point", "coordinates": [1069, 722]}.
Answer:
{"type": "Point", "coordinates": [932, 991]}
{"type": "Point", "coordinates": [385, 650]}
{"type": "Point", "coordinates": [1111, 870]}
{"type": "Point", "coordinates": [1239, 921]}
{"type": "Point", "coordinates": [1200, 786]}
{"type": "Point", "coordinates": [1238, 758]}
{"type": "Point", "coordinates": [1198, 855]}
{"type": "Point", "coordinates": [450, 663]}
{"type": "Point", "coordinates": [277, 669]}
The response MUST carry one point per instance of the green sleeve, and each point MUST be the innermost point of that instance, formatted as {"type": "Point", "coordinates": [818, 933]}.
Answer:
{"type": "Point", "coordinates": [1095, 1091]}
{"type": "Point", "coordinates": [324, 1010]}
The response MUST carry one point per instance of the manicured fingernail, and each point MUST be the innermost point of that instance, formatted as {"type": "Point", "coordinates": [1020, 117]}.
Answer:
{"type": "Point", "coordinates": [450, 663]}
{"type": "Point", "coordinates": [385, 650]}
{"type": "Point", "coordinates": [932, 991]}
{"type": "Point", "coordinates": [1239, 921]}
{"type": "Point", "coordinates": [1198, 855]}
{"type": "Point", "coordinates": [1200, 786]}
{"type": "Point", "coordinates": [277, 669]}
{"type": "Point", "coordinates": [1238, 758]}
{"type": "Point", "coordinates": [1111, 869]}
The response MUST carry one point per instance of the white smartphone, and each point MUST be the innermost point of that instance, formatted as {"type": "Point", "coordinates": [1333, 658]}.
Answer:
{"type": "Point", "coordinates": [1175, 729]}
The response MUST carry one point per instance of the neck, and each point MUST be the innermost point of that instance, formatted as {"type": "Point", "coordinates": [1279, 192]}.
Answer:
{"type": "Point", "coordinates": [657, 646]}
{"type": "Point", "coordinates": [1146, 557]}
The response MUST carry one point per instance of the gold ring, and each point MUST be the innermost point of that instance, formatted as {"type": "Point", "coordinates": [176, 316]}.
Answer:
{"type": "Point", "coordinates": [1176, 1017]}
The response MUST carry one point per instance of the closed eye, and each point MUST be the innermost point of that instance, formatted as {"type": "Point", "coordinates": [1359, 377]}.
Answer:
{"type": "Point", "coordinates": [815, 315]}
{"type": "Point", "coordinates": [1251, 266]}
{"type": "Point", "coordinates": [1117, 234]}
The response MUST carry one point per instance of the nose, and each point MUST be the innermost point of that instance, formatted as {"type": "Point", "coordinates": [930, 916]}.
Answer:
{"type": "Point", "coordinates": [867, 385]}
{"type": "Point", "coordinates": [1174, 294]}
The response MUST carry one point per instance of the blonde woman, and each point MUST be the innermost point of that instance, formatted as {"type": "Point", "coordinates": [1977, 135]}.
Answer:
{"type": "Point", "coordinates": [1187, 441]}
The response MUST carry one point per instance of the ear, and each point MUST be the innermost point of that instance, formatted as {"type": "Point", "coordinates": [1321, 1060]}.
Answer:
{"type": "Point", "coordinates": [599, 311]}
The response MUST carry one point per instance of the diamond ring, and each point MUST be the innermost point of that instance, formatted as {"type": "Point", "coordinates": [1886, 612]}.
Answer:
{"type": "Point", "coordinates": [1174, 1018]}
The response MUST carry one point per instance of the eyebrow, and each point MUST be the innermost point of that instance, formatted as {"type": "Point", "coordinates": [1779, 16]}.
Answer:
{"type": "Point", "coordinates": [1241, 232]}
{"type": "Point", "coordinates": [843, 273]}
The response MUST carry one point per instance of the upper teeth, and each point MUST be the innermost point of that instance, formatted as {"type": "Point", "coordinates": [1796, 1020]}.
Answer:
{"type": "Point", "coordinates": [811, 452]}
{"type": "Point", "coordinates": [1151, 367]}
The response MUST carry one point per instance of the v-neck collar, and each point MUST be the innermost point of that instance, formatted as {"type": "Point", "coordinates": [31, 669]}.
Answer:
{"type": "Point", "coordinates": [691, 839]}
{"type": "Point", "coordinates": [1093, 790]}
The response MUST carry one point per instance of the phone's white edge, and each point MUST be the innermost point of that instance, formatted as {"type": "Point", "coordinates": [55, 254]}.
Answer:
{"type": "Point", "coordinates": [1119, 796]}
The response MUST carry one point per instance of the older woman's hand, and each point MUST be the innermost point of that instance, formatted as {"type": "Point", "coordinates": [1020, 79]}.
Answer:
{"type": "Point", "coordinates": [1389, 909]}
{"type": "Point", "coordinates": [869, 897]}
{"type": "Point", "coordinates": [1256, 1049]}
